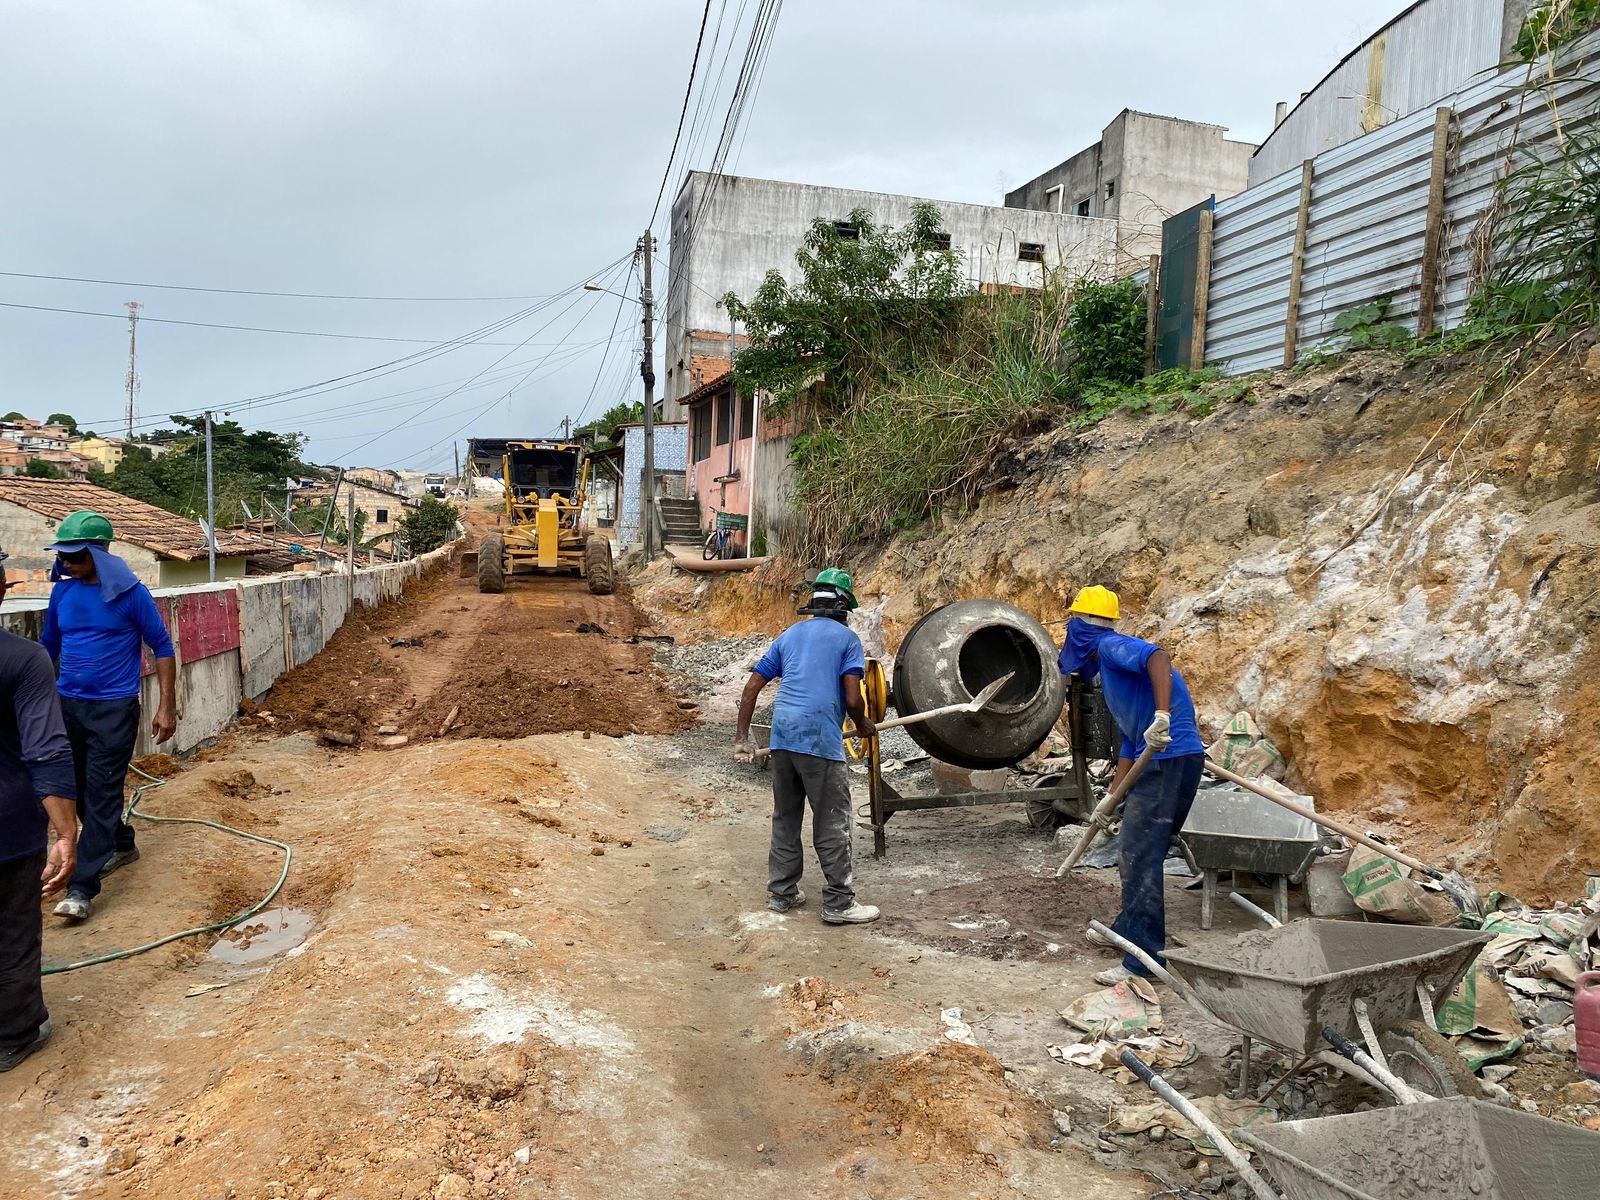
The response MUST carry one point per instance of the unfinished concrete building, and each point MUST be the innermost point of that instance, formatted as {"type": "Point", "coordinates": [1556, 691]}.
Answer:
{"type": "Point", "coordinates": [1143, 169]}
{"type": "Point", "coordinates": [729, 231]}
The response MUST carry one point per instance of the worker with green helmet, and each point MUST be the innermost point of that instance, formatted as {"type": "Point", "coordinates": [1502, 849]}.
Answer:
{"type": "Point", "coordinates": [821, 663]}
{"type": "Point", "coordinates": [99, 618]}
{"type": "Point", "coordinates": [1150, 703]}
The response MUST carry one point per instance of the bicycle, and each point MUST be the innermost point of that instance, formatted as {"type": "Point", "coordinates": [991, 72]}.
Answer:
{"type": "Point", "coordinates": [718, 543]}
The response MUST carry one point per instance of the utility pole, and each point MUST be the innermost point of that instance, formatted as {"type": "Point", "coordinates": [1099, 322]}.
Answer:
{"type": "Point", "coordinates": [647, 486]}
{"type": "Point", "coordinates": [133, 307]}
{"type": "Point", "coordinates": [456, 446]}
{"type": "Point", "coordinates": [566, 429]}
{"type": "Point", "coordinates": [350, 541]}
{"type": "Point", "coordinates": [211, 507]}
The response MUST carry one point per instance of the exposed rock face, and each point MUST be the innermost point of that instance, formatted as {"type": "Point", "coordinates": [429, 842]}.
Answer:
{"type": "Point", "coordinates": [1402, 586]}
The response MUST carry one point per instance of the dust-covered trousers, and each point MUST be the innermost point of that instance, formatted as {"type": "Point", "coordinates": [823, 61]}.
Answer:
{"type": "Point", "coordinates": [1156, 808]}
{"type": "Point", "coordinates": [103, 734]}
{"type": "Point", "coordinates": [797, 778]}
{"type": "Point", "coordinates": [21, 943]}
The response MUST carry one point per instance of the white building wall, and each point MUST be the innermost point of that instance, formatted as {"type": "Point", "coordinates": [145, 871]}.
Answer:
{"type": "Point", "coordinates": [752, 226]}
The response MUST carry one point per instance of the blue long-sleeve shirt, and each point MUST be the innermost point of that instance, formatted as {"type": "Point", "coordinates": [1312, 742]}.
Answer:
{"type": "Point", "coordinates": [94, 631]}
{"type": "Point", "coordinates": [35, 756]}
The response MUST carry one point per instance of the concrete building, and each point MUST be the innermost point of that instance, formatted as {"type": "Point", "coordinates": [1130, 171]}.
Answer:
{"type": "Point", "coordinates": [1430, 51]}
{"type": "Point", "coordinates": [1143, 169]}
{"type": "Point", "coordinates": [384, 507]}
{"type": "Point", "coordinates": [34, 435]}
{"type": "Point", "coordinates": [162, 548]}
{"type": "Point", "coordinates": [729, 231]}
{"type": "Point", "coordinates": [105, 452]}
{"type": "Point", "coordinates": [378, 477]}
{"type": "Point", "coordinates": [722, 452]}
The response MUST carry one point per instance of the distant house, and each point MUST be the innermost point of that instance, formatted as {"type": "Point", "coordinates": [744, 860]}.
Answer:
{"type": "Point", "coordinates": [104, 452]}
{"type": "Point", "coordinates": [379, 477]}
{"type": "Point", "coordinates": [671, 460]}
{"type": "Point", "coordinates": [164, 549]}
{"type": "Point", "coordinates": [384, 507]}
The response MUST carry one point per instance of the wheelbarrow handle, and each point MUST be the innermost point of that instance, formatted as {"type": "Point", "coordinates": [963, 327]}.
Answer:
{"type": "Point", "coordinates": [1236, 1157]}
{"type": "Point", "coordinates": [1401, 1091]}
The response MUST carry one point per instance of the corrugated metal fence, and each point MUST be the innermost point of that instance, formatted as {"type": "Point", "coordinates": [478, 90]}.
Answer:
{"type": "Point", "coordinates": [1360, 217]}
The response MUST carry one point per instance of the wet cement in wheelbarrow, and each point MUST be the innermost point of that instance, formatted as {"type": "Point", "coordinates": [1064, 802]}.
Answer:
{"type": "Point", "coordinates": [1307, 949]}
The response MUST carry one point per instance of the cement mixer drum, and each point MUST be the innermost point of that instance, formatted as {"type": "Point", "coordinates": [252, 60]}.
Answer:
{"type": "Point", "coordinates": [948, 657]}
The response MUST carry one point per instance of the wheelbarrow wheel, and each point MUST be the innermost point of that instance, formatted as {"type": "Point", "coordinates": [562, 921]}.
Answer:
{"type": "Point", "coordinates": [1427, 1061]}
{"type": "Point", "coordinates": [1042, 814]}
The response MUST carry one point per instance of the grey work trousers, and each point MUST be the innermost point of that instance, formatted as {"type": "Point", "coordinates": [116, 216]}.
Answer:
{"type": "Point", "coordinates": [797, 778]}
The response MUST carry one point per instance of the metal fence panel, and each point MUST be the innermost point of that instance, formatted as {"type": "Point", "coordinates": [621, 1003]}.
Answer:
{"type": "Point", "coordinates": [1367, 221]}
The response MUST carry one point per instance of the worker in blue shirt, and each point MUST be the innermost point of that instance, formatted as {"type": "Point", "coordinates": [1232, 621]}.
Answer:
{"type": "Point", "coordinates": [38, 834]}
{"type": "Point", "coordinates": [821, 663]}
{"type": "Point", "coordinates": [99, 616]}
{"type": "Point", "coordinates": [1144, 692]}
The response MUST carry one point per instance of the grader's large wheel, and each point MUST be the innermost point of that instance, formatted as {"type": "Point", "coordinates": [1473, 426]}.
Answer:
{"type": "Point", "coordinates": [597, 565]}
{"type": "Point", "coordinates": [491, 563]}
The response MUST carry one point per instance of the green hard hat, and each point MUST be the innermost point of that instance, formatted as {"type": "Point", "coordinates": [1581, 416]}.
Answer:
{"type": "Point", "coordinates": [835, 578]}
{"type": "Point", "coordinates": [79, 529]}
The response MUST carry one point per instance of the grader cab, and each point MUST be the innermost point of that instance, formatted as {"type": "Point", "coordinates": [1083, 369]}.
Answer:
{"type": "Point", "coordinates": [542, 529]}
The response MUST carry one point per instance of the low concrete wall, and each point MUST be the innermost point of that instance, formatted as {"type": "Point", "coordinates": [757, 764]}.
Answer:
{"type": "Point", "coordinates": [233, 639]}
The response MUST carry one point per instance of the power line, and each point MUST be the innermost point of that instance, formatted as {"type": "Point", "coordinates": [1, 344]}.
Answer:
{"type": "Point", "coordinates": [622, 302]}
{"type": "Point", "coordinates": [688, 91]}
{"type": "Point", "coordinates": [180, 287]}
{"type": "Point", "coordinates": [354, 337]}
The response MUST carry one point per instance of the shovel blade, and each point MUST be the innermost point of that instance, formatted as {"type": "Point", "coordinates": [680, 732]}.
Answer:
{"type": "Point", "coordinates": [982, 699]}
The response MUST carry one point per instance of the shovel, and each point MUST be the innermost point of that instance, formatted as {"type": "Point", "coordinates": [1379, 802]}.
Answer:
{"type": "Point", "coordinates": [977, 704]}
{"type": "Point", "coordinates": [1100, 819]}
{"type": "Point", "coordinates": [1462, 894]}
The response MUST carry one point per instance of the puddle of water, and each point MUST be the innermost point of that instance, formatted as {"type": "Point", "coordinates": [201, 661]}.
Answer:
{"type": "Point", "coordinates": [263, 935]}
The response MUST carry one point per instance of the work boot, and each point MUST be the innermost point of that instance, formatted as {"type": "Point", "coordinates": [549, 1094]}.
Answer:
{"type": "Point", "coordinates": [120, 859]}
{"type": "Point", "coordinates": [75, 907]}
{"type": "Point", "coordinates": [856, 914]}
{"type": "Point", "coordinates": [1112, 976]}
{"type": "Point", "coordinates": [783, 904]}
{"type": "Point", "coordinates": [13, 1057]}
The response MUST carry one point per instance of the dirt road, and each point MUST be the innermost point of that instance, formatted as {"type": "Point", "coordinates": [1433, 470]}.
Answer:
{"type": "Point", "coordinates": [538, 967]}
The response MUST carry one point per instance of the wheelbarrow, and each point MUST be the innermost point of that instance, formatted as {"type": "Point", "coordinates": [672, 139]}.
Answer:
{"type": "Point", "coordinates": [1375, 982]}
{"type": "Point", "coordinates": [1237, 831]}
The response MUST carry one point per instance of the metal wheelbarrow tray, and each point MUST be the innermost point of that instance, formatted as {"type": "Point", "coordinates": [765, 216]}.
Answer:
{"type": "Point", "coordinates": [1236, 831]}
{"type": "Point", "coordinates": [1442, 1150]}
{"type": "Point", "coordinates": [1284, 985]}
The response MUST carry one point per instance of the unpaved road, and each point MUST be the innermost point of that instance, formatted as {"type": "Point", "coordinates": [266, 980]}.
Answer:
{"type": "Point", "coordinates": [542, 967]}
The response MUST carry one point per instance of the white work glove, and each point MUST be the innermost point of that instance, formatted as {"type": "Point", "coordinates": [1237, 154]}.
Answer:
{"type": "Point", "coordinates": [1159, 736]}
{"type": "Point", "coordinates": [744, 750]}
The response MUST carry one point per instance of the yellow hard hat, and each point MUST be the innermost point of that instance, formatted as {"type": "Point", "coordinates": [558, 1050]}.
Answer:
{"type": "Point", "coordinates": [1096, 601]}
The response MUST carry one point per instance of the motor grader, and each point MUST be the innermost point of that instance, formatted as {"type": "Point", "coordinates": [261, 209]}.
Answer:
{"type": "Point", "coordinates": [542, 526]}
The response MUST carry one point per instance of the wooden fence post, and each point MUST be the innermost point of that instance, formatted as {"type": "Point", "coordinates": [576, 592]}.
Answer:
{"type": "Point", "coordinates": [1297, 262]}
{"type": "Point", "coordinates": [1202, 291]}
{"type": "Point", "coordinates": [1152, 313]}
{"type": "Point", "coordinates": [1433, 235]}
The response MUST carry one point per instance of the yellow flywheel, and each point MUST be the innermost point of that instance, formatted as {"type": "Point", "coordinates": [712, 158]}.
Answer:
{"type": "Point", "coordinates": [875, 693]}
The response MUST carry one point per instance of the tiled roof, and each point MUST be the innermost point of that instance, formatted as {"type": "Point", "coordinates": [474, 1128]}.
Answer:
{"type": "Point", "coordinates": [167, 534]}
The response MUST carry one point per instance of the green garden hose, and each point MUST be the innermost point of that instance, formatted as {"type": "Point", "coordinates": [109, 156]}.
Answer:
{"type": "Point", "coordinates": [217, 927]}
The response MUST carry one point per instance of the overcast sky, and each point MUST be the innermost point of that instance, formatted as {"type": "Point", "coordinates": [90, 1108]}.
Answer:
{"type": "Point", "coordinates": [505, 148]}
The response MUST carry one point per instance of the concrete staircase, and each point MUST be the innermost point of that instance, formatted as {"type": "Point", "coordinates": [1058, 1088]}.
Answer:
{"type": "Point", "coordinates": [680, 520]}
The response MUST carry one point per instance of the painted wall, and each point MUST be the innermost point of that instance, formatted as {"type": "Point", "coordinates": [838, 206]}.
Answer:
{"type": "Point", "coordinates": [175, 573]}
{"type": "Point", "coordinates": [233, 640]}
{"type": "Point", "coordinates": [735, 456]}
{"type": "Point", "coordinates": [671, 455]}
{"type": "Point", "coordinates": [751, 226]}
{"type": "Point", "coordinates": [1429, 52]}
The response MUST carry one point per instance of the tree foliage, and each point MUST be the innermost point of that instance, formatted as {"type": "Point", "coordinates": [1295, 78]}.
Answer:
{"type": "Point", "coordinates": [246, 463]}
{"type": "Point", "coordinates": [428, 526]}
{"type": "Point", "coordinates": [64, 419]}
{"type": "Point", "coordinates": [1104, 338]}
{"type": "Point", "coordinates": [598, 431]}
{"type": "Point", "coordinates": [37, 468]}
{"type": "Point", "coordinates": [871, 300]}
{"type": "Point", "coordinates": [1555, 24]}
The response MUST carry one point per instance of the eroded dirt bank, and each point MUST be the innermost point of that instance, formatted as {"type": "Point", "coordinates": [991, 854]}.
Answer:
{"type": "Point", "coordinates": [1400, 585]}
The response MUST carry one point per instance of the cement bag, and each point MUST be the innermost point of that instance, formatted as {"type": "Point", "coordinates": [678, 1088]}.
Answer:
{"type": "Point", "coordinates": [1243, 750]}
{"type": "Point", "coordinates": [1381, 886]}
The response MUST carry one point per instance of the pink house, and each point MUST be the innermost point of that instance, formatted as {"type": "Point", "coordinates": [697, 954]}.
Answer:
{"type": "Point", "coordinates": [722, 439]}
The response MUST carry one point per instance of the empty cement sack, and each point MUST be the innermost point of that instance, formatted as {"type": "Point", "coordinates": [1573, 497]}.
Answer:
{"type": "Point", "coordinates": [1383, 887]}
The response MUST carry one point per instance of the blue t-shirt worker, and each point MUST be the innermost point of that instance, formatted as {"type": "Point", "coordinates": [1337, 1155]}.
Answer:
{"type": "Point", "coordinates": [1150, 703]}
{"type": "Point", "coordinates": [821, 663]}
{"type": "Point", "coordinates": [99, 617]}
{"type": "Point", "coordinates": [38, 834]}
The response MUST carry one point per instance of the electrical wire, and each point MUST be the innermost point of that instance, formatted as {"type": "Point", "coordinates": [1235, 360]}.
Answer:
{"type": "Point", "coordinates": [214, 927]}
{"type": "Point", "coordinates": [622, 302]}
{"type": "Point", "coordinates": [688, 91]}
{"type": "Point", "coordinates": [322, 333]}
{"type": "Point", "coordinates": [180, 287]}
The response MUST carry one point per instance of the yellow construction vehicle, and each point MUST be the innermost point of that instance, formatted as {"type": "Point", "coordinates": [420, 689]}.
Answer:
{"type": "Point", "coordinates": [542, 528]}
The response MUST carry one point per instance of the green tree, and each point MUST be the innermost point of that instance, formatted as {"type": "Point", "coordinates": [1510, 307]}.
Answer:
{"type": "Point", "coordinates": [63, 419]}
{"type": "Point", "coordinates": [246, 463]}
{"type": "Point", "coordinates": [598, 431]}
{"type": "Point", "coordinates": [871, 300]}
{"type": "Point", "coordinates": [39, 469]}
{"type": "Point", "coordinates": [428, 526]}
{"type": "Point", "coordinates": [1104, 338]}
{"type": "Point", "coordinates": [13, 415]}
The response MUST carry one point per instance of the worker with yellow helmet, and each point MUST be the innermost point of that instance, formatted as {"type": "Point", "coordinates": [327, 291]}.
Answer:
{"type": "Point", "coordinates": [1150, 703]}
